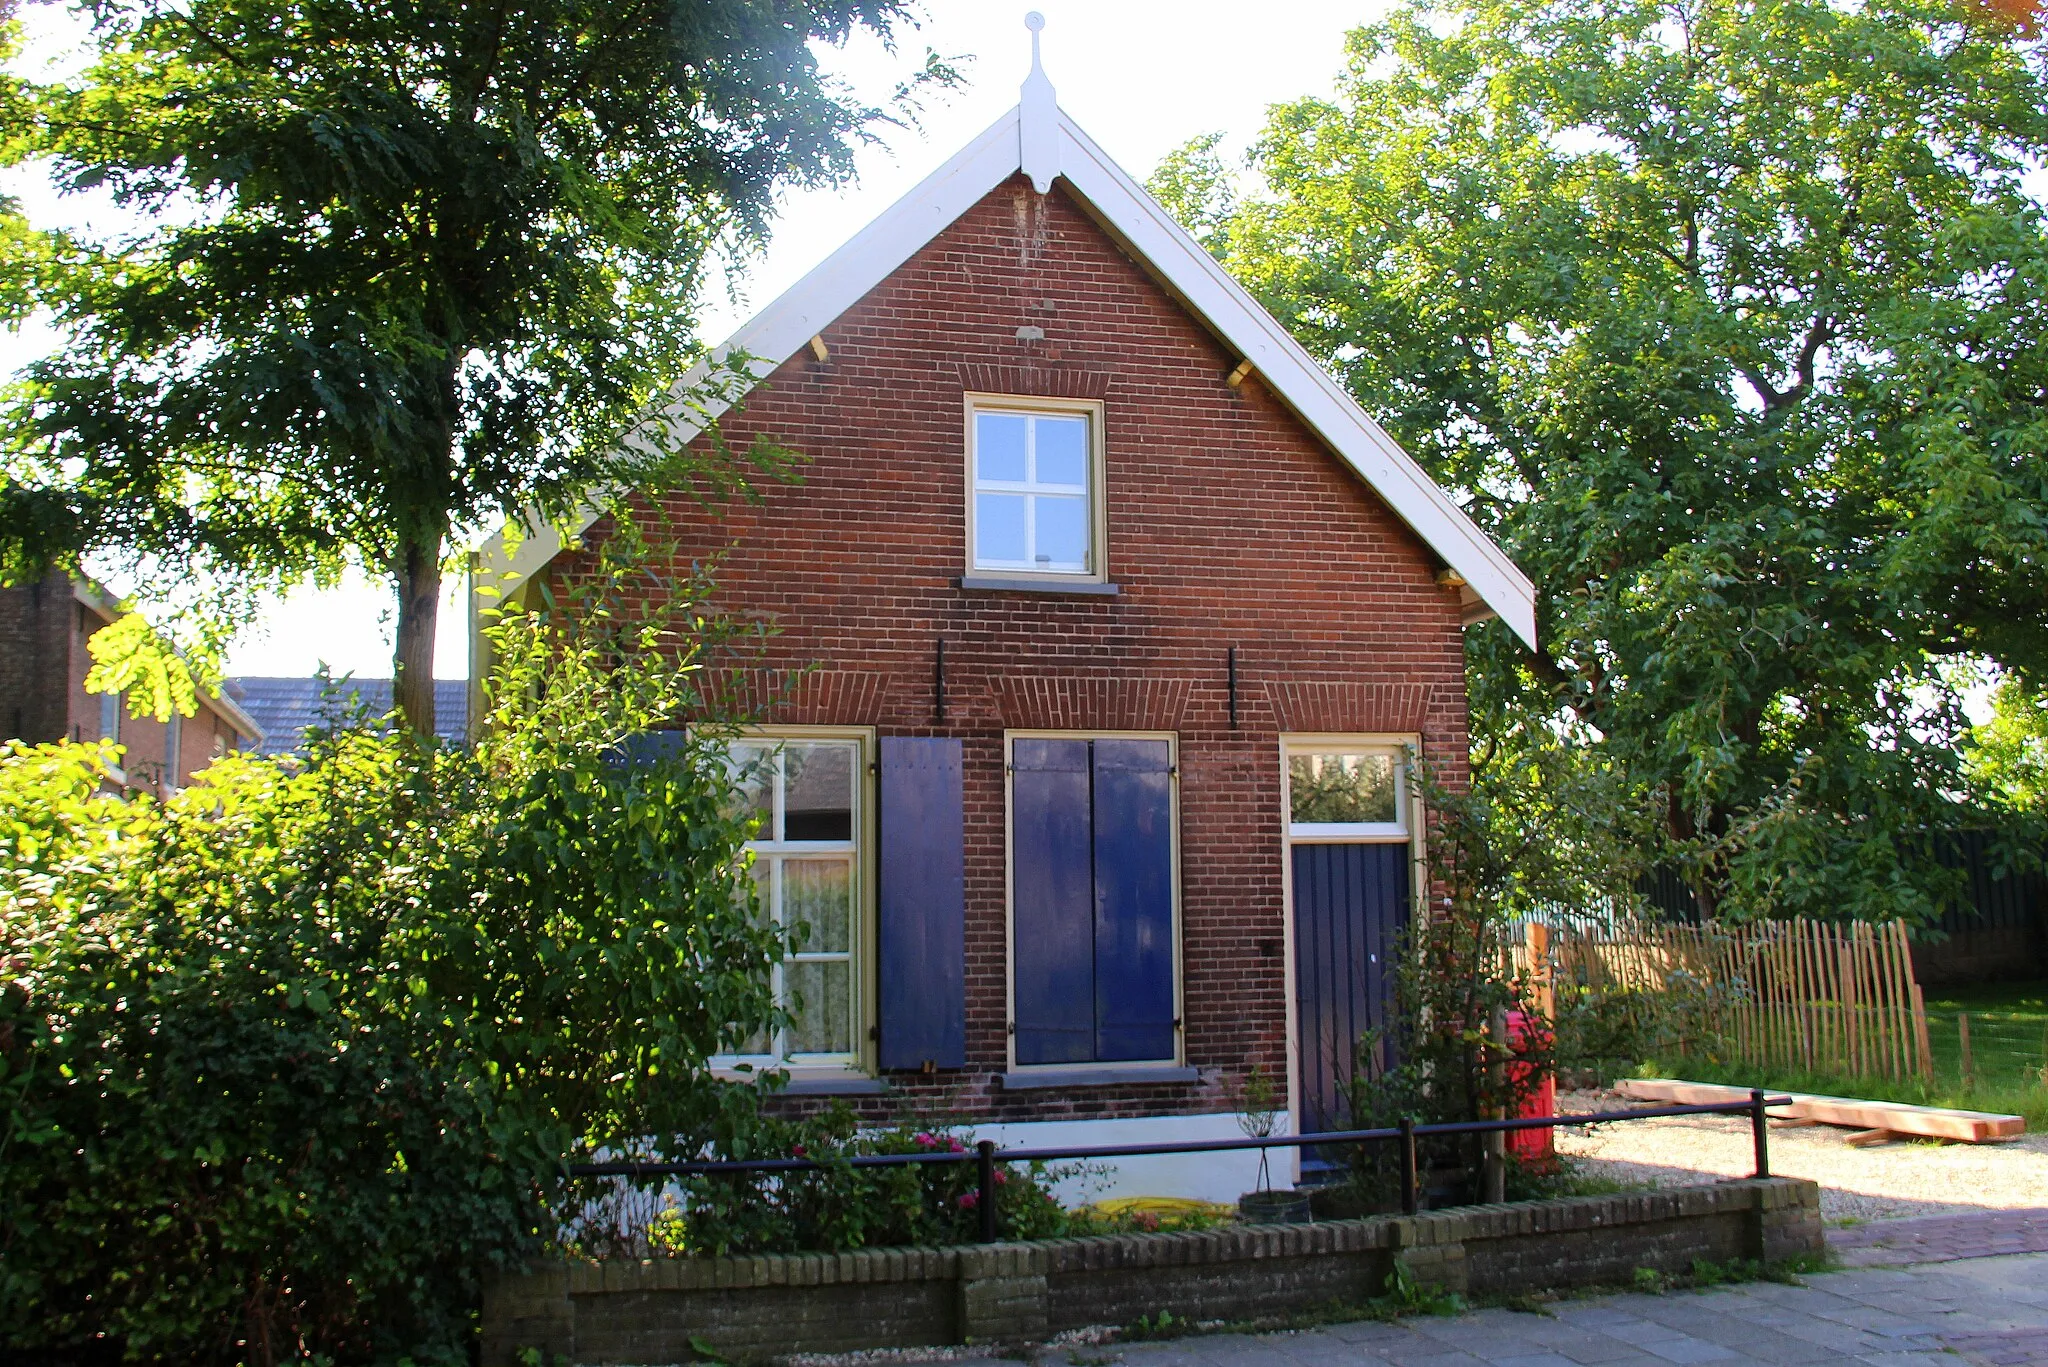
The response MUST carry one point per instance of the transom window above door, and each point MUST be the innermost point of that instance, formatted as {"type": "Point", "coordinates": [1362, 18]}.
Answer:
{"type": "Point", "coordinates": [1347, 791]}
{"type": "Point", "coordinates": [1035, 478]}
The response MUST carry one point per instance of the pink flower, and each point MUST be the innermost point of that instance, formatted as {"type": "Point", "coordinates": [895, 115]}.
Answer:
{"type": "Point", "coordinates": [797, 1150]}
{"type": "Point", "coordinates": [954, 1141]}
{"type": "Point", "coordinates": [970, 1200]}
{"type": "Point", "coordinates": [924, 1139]}
{"type": "Point", "coordinates": [1001, 1177]}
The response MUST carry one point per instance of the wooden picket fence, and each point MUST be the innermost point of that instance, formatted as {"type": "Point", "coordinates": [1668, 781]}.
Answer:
{"type": "Point", "coordinates": [1789, 994]}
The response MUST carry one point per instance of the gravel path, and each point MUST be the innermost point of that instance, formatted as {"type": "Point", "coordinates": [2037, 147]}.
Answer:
{"type": "Point", "coordinates": [1891, 1181]}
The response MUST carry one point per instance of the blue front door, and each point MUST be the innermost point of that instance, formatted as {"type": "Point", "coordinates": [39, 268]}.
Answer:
{"type": "Point", "coordinates": [1350, 903]}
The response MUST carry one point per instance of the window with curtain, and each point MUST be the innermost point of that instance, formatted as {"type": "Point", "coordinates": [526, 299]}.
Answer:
{"type": "Point", "coordinates": [805, 862]}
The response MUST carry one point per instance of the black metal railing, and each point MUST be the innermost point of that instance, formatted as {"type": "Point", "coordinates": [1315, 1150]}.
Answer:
{"type": "Point", "coordinates": [986, 1155]}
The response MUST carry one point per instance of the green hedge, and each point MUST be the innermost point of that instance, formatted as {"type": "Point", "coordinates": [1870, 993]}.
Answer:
{"type": "Point", "coordinates": [291, 1060]}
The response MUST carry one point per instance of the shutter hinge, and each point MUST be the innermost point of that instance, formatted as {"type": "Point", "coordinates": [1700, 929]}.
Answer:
{"type": "Point", "coordinates": [874, 768]}
{"type": "Point", "coordinates": [874, 1032]}
{"type": "Point", "coordinates": [1176, 1022]}
{"type": "Point", "coordinates": [1012, 1028]}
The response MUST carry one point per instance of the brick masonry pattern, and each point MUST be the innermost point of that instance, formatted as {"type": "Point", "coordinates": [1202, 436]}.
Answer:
{"type": "Point", "coordinates": [650, 1311]}
{"type": "Point", "coordinates": [1229, 523]}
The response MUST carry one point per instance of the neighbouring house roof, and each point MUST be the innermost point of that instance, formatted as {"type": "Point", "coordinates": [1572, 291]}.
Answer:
{"type": "Point", "coordinates": [286, 708]}
{"type": "Point", "coordinates": [1039, 139]}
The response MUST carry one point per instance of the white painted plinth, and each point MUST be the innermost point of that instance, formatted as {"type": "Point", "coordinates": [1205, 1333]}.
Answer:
{"type": "Point", "coordinates": [1219, 1177]}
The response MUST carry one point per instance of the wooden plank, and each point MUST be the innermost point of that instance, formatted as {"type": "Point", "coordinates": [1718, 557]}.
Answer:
{"type": "Point", "coordinates": [1935, 1122]}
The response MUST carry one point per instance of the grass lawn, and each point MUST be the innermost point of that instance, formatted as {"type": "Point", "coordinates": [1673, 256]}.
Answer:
{"type": "Point", "coordinates": [2008, 1047]}
{"type": "Point", "coordinates": [2008, 1034]}
{"type": "Point", "coordinates": [2024, 1099]}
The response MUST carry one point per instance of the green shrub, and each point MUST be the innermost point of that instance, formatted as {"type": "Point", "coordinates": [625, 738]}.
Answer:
{"type": "Point", "coordinates": [291, 1060]}
{"type": "Point", "coordinates": [839, 1207]}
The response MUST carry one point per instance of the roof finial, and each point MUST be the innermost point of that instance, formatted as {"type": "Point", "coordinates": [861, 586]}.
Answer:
{"type": "Point", "coordinates": [1038, 118]}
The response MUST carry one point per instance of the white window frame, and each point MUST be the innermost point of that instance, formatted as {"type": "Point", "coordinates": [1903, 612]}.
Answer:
{"type": "Point", "coordinates": [859, 1061]}
{"type": "Point", "coordinates": [1097, 571]}
{"type": "Point", "coordinates": [1180, 1012]}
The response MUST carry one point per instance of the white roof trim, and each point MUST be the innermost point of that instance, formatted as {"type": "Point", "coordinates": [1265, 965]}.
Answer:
{"type": "Point", "coordinates": [1123, 208]}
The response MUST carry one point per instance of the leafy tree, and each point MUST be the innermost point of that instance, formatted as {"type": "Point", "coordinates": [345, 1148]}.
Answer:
{"type": "Point", "coordinates": [408, 269]}
{"type": "Point", "coordinates": [290, 1062]}
{"type": "Point", "coordinates": [2008, 755]}
{"type": "Point", "coordinates": [1727, 318]}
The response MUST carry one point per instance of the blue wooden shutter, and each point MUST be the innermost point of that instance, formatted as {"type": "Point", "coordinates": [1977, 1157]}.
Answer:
{"type": "Point", "coordinates": [1133, 900]}
{"type": "Point", "coordinates": [1052, 902]}
{"type": "Point", "coordinates": [647, 747]}
{"type": "Point", "coordinates": [921, 905]}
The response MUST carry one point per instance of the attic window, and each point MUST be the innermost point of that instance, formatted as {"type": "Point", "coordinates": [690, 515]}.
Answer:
{"type": "Point", "coordinates": [1034, 507]}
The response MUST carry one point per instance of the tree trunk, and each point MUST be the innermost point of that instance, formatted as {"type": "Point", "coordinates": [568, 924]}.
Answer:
{"type": "Point", "coordinates": [419, 611]}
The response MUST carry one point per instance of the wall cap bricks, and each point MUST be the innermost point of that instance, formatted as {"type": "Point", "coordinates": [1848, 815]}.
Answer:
{"type": "Point", "coordinates": [1010, 1291]}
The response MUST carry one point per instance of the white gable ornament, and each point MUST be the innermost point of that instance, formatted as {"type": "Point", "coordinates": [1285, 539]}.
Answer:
{"type": "Point", "coordinates": [1038, 119]}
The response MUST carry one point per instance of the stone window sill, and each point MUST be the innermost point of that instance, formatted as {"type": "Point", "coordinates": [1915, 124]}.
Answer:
{"type": "Point", "coordinates": [1024, 1080]}
{"type": "Point", "coordinates": [984, 583]}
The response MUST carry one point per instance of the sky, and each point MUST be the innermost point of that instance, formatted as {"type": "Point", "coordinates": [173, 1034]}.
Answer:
{"type": "Point", "coordinates": [1142, 76]}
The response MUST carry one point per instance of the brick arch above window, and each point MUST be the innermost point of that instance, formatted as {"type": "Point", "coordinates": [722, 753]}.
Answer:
{"type": "Point", "coordinates": [1049, 382]}
{"type": "Point", "coordinates": [1056, 703]}
{"type": "Point", "coordinates": [798, 697]}
{"type": "Point", "coordinates": [1339, 705]}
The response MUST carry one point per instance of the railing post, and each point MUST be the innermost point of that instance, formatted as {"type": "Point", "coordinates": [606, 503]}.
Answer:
{"type": "Point", "coordinates": [1759, 1133]}
{"type": "Point", "coordinates": [1410, 1197]}
{"type": "Point", "coordinates": [985, 1153]}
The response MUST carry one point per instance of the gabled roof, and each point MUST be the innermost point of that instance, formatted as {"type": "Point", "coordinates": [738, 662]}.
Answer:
{"type": "Point", "coordinates": [1039, 139]}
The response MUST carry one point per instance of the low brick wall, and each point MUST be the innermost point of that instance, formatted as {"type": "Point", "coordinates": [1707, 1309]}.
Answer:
{"type": "Point", "coordinates": [648, 1312]}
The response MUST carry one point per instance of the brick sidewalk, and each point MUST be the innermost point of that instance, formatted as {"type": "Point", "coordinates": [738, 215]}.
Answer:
{"type": "Point", "coordinates": [1940, 1238]}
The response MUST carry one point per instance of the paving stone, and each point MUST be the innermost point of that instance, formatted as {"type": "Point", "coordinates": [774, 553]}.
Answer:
{"type": "Point", "coordinates": [1368, 1333]}
{"type": "Point", "coordinates": [1642, 1332]}
{"type": "Point", "coordinates": [1595, 1350]}
{"type": "Point", "coordinates": [1688, 1350]}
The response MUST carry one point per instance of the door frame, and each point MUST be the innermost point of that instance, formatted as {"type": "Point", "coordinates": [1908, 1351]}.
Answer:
{"type": "Point", "coordinates": [1291, 743]}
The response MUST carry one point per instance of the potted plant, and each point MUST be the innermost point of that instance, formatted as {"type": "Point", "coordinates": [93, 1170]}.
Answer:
{"type": "Point", "coordinates": [1258, 1115]}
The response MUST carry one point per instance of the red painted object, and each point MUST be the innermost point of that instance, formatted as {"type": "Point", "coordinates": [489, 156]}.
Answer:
{"type": "Point", "coordinates": [1539, 1145]}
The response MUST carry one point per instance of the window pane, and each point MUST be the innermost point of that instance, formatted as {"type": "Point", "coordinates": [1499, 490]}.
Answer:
{"type": "Point", "coordinates": [999, 529]}
{"type": "Point", "coordinates": [817, 799]}
{"type": "Point", "coordinates": [1062, 533]}
{"type": "Point", "coordinates": [819, 892]}
{"type": "Point", "coordinates": [1342, 787]}
{"type": "Point", "coordinates": [999, 446]}
{"type": "Point", "coordinates": [1063, 451]}
{"type": "Point", "coordinates": [821, 1000]}
{"type": "Point", "coordinates": [753, 771]}
{"type": "Point", "coordinates": [763, 884]}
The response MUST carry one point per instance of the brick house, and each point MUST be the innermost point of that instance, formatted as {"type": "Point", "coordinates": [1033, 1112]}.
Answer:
{"type": "Point", "coordinates": [1108, 625]}
{"type": "Point", "coordinates": [44, 627]}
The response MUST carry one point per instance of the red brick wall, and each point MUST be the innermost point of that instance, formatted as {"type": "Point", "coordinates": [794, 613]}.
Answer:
{"type": "Point", "coordinates": [1229, 524]}
{"type": "Point", "coordinates": [36, 623]}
